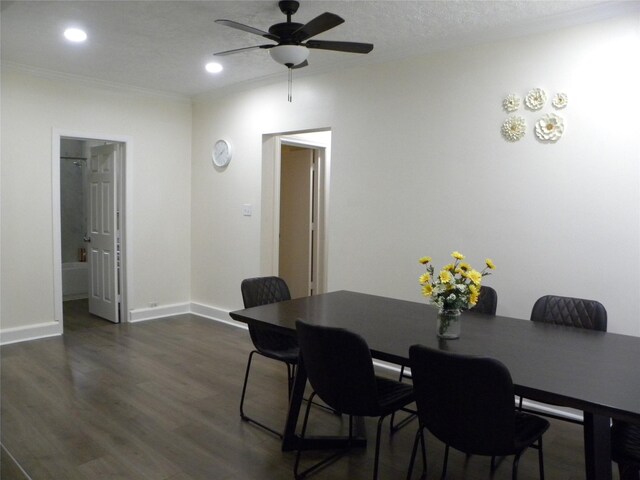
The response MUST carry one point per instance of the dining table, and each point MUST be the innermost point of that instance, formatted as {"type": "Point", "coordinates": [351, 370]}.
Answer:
{"type": "Point", "coordinates": [587, 370]}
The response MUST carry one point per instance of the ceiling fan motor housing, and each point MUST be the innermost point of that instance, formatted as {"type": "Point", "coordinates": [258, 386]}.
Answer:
{"type": "Point", "coordinates": [288, 7]}
{"type": "Point", "coordinates": [284, 31]}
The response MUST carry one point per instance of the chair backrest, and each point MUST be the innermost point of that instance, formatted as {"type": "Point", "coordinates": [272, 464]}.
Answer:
{"type": "Point", "coordinates": [262, 291]}
{"type": "Point", "coordinates": [465, 401]}
{"type": "Point", "coordinates": [570, 312]}
{"type": "Point", "coordinates": [625, 442]}
{"type": "Point", "coordinates": [487, 301]}
{"type": "Point", "coordinates": [339, 368]}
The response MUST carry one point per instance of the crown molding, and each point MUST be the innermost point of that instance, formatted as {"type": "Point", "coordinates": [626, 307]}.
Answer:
{"type": "Point", "coordinates": [92, 82]}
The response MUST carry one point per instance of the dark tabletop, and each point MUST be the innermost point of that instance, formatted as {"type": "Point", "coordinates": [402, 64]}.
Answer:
{"type": "Point", "coordinates": [592, 371]}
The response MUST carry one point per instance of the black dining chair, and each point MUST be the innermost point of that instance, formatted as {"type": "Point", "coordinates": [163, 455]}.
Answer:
{"type": "Point", "coordinates": [625, 449]}
{"type": "Point", "coordinates": [340, 370]}
{"type": "Point", "coordinates": [467, 403]}
{"type": "Point", "coordinates": [568, 312]}
{"type": "Point", "coordinates": [487, 304]}
{"type": "Point", "coordinates": [283, 348]}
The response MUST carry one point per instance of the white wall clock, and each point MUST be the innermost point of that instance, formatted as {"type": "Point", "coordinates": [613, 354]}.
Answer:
{"type": "Point", "coordinates": [221, 154]}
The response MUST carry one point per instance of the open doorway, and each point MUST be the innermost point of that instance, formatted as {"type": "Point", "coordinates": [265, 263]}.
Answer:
{"type": "Point", "coordinates": [295, 199]}
{"type": "Point", "coordinates": [89, 221]}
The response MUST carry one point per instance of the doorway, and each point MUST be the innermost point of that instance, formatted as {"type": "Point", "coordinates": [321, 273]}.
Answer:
{"type": "Point", "coordinates": [90, 217]}
{"type": "Point", "coordinates": [295, 199]}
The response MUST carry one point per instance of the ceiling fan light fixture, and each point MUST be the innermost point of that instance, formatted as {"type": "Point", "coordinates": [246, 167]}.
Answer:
{"type": "Point", "coordinates": [289, 55]}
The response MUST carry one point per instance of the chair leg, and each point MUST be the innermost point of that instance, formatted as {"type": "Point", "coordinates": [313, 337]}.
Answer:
{"type": "Point", "coordinates": [377, 455]}
{"type": "Point", "coordinates": [322, 463]}
{"type": "Point", "coordinates": [302, 434]}
{"type": "Point", "coordinates": [514, 471]}
{"type": "Point", "coordinates": [245, 417]}
{"type": "Point", "coordinates": [412, 414]}
{"type": "Point", "coordinates": [418, 438]}
{"type": "Point", "coordinates": [291, 375]}
{"type": "Point", "coordinates": [628, 472]}
{"type": "Point", "coordinates": [444, 463]}
{"type": "Point", "coordinates": [540, 459]}
{"type": "Point", "coordinates": [244, 385]}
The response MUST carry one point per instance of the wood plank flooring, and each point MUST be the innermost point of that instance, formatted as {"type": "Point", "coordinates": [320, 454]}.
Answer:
{"type": "Point", "coordinates": [159, 400]}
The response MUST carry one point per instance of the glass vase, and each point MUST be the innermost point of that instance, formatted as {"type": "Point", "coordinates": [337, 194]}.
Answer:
{"type": "Point", "coordinates": [448, 323]}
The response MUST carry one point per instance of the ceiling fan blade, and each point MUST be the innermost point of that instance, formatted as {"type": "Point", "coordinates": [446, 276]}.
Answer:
{"type": "Point", "coordinates": [300, 65]}
{"type": "Point", "coordinates": [247, 28]}
{"type": "Point", "coordinates": [320, 24]}
{"type": "Point", "coordinates": [237, 50]}
{"type": "Point", "coordinates": [350, 47]}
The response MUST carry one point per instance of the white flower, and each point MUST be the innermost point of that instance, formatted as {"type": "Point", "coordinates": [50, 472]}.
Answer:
{"type": "Point", "coordinates": [550, 128]}
{"type": "Point", "coordinates": [511, 103]}
{"type": "Point", "coordinates": [513, 128]}
{"type": "Point", "coordinates": [451, 297]}
{"type": "Point", "coordinates": [560, 100]}
{"type": "Point", "coordinates": [535, 99]}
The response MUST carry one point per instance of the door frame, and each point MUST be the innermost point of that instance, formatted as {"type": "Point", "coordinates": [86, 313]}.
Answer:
{"type": "Point", "coordinates": [125, 181]}
{"type": "Point", "coordinates": [270, 200]}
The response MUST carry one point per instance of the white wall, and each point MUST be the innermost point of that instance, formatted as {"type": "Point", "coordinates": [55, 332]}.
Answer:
{"type": "Point", "coordinates": [419, 168]}
{"type": "Point", "coordinates": [160, 129]}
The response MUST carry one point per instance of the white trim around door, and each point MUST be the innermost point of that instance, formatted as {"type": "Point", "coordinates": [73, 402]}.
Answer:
{"type": "Point", "coordinates": [126, 192]}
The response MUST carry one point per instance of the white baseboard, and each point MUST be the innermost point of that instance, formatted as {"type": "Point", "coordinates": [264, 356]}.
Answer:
{"type": "Point", "coordinates": [568, 413]}
{"type": "Point", "coordinates": [32, 332]}
{"type": "Point", "coordinates": [142, 314]}
{"type": "Point", "coordinates": [217, 314]}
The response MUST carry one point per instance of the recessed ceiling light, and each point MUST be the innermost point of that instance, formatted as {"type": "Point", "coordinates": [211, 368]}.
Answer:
{"type": "Point", "coordinates": [75, 35]}
{"type": "Point", "coordinates": [213, 67]}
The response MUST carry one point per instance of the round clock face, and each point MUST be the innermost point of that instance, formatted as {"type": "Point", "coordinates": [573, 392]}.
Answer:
{"type": "Point", "coordinates": [221, 154]}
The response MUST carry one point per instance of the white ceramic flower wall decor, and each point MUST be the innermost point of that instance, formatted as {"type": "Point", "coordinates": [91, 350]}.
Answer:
{"type": "Point", "coordinates": [535, 99]}
{"type": "Point", "coordinates": [560, 100]}
{"type": "Point", "coordinates": [549, 128]}
{"type": "Point", "coordinates": [511, 103]}
{"type": "Point", "coordinates": [513, 128]}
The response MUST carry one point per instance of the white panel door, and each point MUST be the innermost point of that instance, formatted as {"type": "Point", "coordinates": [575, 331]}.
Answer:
{"type": "Point", "coordinates": [102, 235]}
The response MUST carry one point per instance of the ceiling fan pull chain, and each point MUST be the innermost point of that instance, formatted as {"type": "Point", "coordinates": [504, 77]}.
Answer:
{"type": "Point", "coordinates": [289, 96]}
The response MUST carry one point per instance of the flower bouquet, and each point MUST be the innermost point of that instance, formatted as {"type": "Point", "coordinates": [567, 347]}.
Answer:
{"type": "Point", "coordinates": [455, 287]}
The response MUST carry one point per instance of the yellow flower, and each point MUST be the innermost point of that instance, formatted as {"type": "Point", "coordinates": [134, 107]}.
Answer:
{"type": "Point", "coordinates": [424, 278]}
{"type": "Point", "coordinates": [448, 267]}
{"type": "Point", "coordinates": [427, 289]}
{"type": "Point", "coordinates": [424, 260]}
{"type": "Point", "coordinates": [490, 263]}
{"type": "Point", "coordinates": [473, 298]}
{"type": "Point", "coordinates": [457, 256]}
{"type": "Point", "coordinates": [475, 276]}
{"type": "Point", "coordinates": [465, 266]}
{"type": "Point", "coordinates": [445, 276]}
{"type": "Point", "coordinates": [473, 289]}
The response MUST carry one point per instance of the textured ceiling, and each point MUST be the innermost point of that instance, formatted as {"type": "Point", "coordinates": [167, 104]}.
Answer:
{"type": "Point", "coordinates": [163, 45]}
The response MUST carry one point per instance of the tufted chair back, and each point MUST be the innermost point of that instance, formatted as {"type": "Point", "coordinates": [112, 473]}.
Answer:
{"type": "Point", "coordinates": [571, 312]}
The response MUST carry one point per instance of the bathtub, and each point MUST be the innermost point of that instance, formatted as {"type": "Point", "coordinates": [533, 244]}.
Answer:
{"type": "Point", "coordinates": [75, 280]}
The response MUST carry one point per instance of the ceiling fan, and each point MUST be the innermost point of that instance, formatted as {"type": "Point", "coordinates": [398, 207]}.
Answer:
{"type": "Point", "coordinates": [294, 39]}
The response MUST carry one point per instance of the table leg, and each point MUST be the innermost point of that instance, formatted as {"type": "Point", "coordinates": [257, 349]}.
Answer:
{"type": "Point", "coordinates": [597, 446]}
{"type": "Point", "coordinates": [291, 441]}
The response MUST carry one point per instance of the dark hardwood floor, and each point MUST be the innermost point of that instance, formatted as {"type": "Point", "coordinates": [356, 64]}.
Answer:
{"type": "Point", "coordinates": [159, 400]}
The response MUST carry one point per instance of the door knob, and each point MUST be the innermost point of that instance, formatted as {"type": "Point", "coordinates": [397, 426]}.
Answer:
{"type": "Point", "coordinates": [87, 238]}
